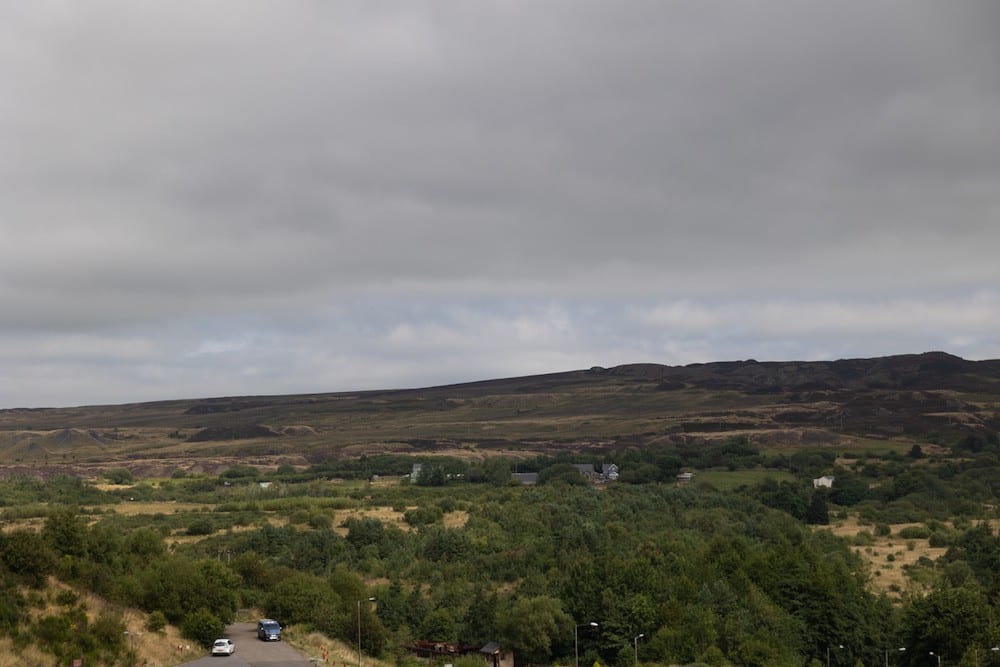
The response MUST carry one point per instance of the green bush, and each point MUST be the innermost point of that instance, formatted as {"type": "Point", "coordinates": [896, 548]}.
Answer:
{"type": "Point", "coordinates": [119, 476]}
{"type": "Point", "coordinates": [320, 521]}
{"type": "Point", "coordinates": [200, 527]}
{"type": "Point", "coordinates": [941, 538]}
{"type": "Point", "coordinates": [240, 471]}
{"type": "Point", "coordinates": [915, 533]}
{"type": "Point", "coordinates": [864, 538]}
{"type": "Point", "coordinates": [422, 516]}
{"type": "Point", "coordinates": [156, 621]}
{"type": "Point", "coordinates": [203, 627]}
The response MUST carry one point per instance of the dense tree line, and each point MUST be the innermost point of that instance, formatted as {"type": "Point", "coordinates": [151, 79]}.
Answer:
{"type": "Point", "coordinates": [707, 577]}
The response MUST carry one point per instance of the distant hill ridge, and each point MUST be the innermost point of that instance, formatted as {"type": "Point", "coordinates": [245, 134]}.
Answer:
{"type": "Point", "coordinates": [925, 371]}
{"type": "Point", "coordinates": [913, 398]}
{"type": "Point", "coordinates": [930, 370]}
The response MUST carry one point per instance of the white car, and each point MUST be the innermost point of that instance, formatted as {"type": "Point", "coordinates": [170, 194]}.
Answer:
{"type": "Point", "coordinates": [223, 647]}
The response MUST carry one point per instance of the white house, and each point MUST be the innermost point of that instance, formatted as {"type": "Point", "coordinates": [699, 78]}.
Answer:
{"type": "Point", "coordinates": [825, 481]}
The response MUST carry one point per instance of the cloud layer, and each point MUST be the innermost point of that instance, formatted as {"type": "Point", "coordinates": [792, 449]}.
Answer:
{"type": "Point", "coordinates": [253, 197]}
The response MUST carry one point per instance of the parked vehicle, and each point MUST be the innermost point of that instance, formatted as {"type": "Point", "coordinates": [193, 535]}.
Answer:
{"type": "Point", "coordinates": [268, 630]}
{"type": "Point", "coordinates": [223, 647]}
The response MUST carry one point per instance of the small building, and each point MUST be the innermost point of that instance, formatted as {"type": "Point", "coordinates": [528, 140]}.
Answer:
{"type": "Point", "coordinates": [685, 477]}
{"type": "Point", "coordinates": [527, 478]}
{"type": "Point", "coordinates": [826, 482]}
{"type": "Point", "coordinates": [495, 655]}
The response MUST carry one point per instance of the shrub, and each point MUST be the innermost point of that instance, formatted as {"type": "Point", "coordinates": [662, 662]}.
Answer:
{"type": "Point", "coordinates": [239, 471]}
{"type": "Point", "coordinates": [202, 626]}
{"type": "Point", "coordinates": [156, 621]}
{"type": "Point", "coordinates": [423, 515]}
{"type": "Point", "coordinates": [915, 533]}
{"type": "Point", "coordinates": [119, 476]}
{"type": "Point", "coordinates": [320, 521]}
{"type": "Point", "coordinates": [864, 538]}
{"type": "Point", "coordinates": [941, 538]}
{"type": "Point", "coordinates": [200, 527]}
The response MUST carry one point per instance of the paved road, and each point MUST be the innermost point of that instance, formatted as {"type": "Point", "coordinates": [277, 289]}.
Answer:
{"type": "Point", "coordinates": [251, 652]}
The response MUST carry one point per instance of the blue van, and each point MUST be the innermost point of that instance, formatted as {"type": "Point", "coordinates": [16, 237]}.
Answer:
{"type": "Point", "coordinates": [268, 630]}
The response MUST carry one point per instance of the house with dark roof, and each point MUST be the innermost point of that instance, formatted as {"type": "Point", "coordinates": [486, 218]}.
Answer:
{"type": "Point", "coordinates": [528, 478]}
{"type": "Point", "coordinates": [495, 655]}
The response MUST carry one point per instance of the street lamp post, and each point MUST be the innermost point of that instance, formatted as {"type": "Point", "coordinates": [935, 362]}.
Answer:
{"type": "Point", "coordinates": [131, 637]}
{"type": "Point", "coordinates": [576, 641]}
{"type": "Point", "coordinates": [636, 642]}
{"type": "Point", "coordinates": [359, 629]}
{"type": "Point", "coordinates": [901, 649]}
{"type": "Point", "coordinates": [828, 654]}
{"type": "Point", "coordinates": [936, 655]}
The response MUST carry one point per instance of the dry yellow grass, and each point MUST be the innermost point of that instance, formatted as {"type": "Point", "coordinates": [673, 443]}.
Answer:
{"type": "Point", "coordinates": [326, 650]}
{"type": "Point", "coordinates": [386, 515]}
{"type": "Point", "coordinates": [887, 556]}
{"type": "Point", "coordinates": [30, 657]}
{"type": "Point", "coordinates": [389, 516]}
{"type": "Point", "coordinates": [456, 519]}
{"type": "Point", "coordinates": [158, 649]}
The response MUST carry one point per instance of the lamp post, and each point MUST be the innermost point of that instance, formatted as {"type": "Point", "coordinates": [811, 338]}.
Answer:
{"type": "Point", "coordinates": [359, 629]}
{"type": "Point", "coordinates": [936, 655]}
{"type": "Point", "coordinates": [576, 641]}
{"type": "Point", "coordinates": [901, 649]}
{"type": "Point", "coordinates": [131, 636]}
{"type": "Point", "coordinates": [636, 642]}
{"type": "Point", "coordinates": [828, 654]}
{"type": "Point", "coordinates": [993, 649]}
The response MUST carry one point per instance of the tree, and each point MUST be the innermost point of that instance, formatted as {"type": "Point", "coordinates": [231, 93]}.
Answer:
{"type": "Point", "coordinates": [947, 620]}
{"type": "Point", "coordinates": [479, 625]}
{"type": "Point", "coordinates": [65, 532]}
{"type": "Point", "coordinates": [818, 514]}
{"type": "Point", "coordinates": [202, 626]}
{"type": "Point", "coordinates": [27, 555]}
{"type": "Point", "coordinates": [440, 626]}
{"type": "Point", "coordinates": [563, 473]}
{"type": "Point", "coordinates": [119, 476]}
{"type": "Point", "coordinates": [431, 475]}
{"type": "Point", "coordinates": [534, 626]}
{"type": "Point", "coordinates": [297, 597]}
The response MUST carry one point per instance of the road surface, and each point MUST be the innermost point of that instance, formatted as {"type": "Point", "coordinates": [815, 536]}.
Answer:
{"type": "Point", "coordinates": [251, 652]}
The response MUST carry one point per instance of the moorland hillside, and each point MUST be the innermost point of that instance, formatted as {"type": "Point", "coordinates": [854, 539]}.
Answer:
{"type": "Point", "coordinates": [824, 403]}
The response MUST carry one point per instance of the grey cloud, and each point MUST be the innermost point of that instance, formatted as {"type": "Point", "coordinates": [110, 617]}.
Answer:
{"type": "Point", "coordinates": [191, 163]}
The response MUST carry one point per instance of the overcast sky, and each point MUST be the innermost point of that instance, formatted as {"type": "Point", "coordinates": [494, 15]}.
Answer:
{"type": "Point", "coordinates": [219, 198]}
